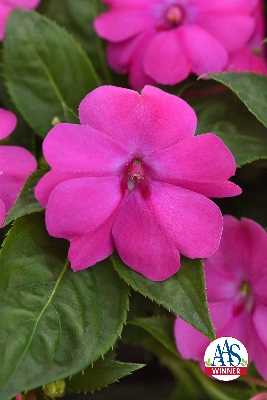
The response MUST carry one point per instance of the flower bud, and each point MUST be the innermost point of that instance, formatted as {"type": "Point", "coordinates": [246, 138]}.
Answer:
{"type": "Point", "coordinates": [55, 389]}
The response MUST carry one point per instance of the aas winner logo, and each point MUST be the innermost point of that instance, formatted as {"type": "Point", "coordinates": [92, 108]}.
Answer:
{"type": "Point", "coordinates": [226, 358]}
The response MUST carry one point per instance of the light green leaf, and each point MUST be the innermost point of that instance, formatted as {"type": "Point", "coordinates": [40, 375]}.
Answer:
{"type": "Point", "coordinates": [46, 71]}
{"type": "Point", "coordinates": [101, 374]}
{"type": "Point", "coordinates": [54, 322]}
{"type": "Point", "coordinates": [26, 202]}
{"type": "Point", "coordinates": [250, 88]}
{"type": "Point", "coordinates": [183, 293]}
{"type": "Point", "coordinates": [160, 327]}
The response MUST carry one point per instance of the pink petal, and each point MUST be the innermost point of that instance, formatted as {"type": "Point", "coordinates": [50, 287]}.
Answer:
{"type": "Point", "coordinates": [16, 164]}
{"type": "Point", "coordinates": [16, 161]}
{"type": "Point", "coordinates": [141, 123]}
{"type": "Point", "coordinates": [83, 211]}
{"type": "Point", "coordinates": [4, 13]}
{"type": "Point", "coordinates": [128, 4]}
{"type": "Point", "coordinates": [50, 180]}
{"type": "Point", "coordinates": [27, 4]}
{"type": "Point", "coordinates": [137, 76]}
{"type": "Point", "coordinates": [260, 351]}
{"type": "Point", "coordinates": [192, 220]}
{"type": "Point", "coordinates": [260, 396]}
{"type": "Point", "coordinates": [205, 53]}
{"type": "Point", "coordinates": [190, 343]}
{"type": "Point", "coordinates": [166, 59]}
{"type": "Point", "coordinates": [241, 6]}
{"type": "Point", "coordinates": [80, 206]}
{"type": "Point", "coordinates": [119, 55]}
{"type": "Point", "coordinates": [259, 319]}
{"type": "Point", "coordinates": [128, 56]}
{"type": "Point", "coordinates": [96, 246]}
{"type": "Point", "coordinates": [227, 267]}
{"type": "Point", "coordinates": [2, 212]}
{"type": "Point", "coordinates": [241, 60]}
{"type": "Point", "coordinates": [9, 189]}
{"type": "Point", "coordinates": [255, 257]}
{"type": "Point", "coordinates": [231, 31]}
{"type": "Point", "coordinates": [120, 24]}
{"type": "Point", "coordinates": [8, 120]}
{"type": "Point", "coordinates": [76, 148]}
{"type": "Point", "coordinates": [142, 243]}
{"type": "Point", "coordinates": [201, 163]}
{"type": "Point", "coordinates": [240, 258]}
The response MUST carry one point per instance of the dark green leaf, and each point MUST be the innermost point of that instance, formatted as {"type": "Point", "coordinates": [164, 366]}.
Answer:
{"type": "Point", "coordinates": [228, 118]}
{"type": "Point", "coordinates": [54, 322]}
{"type": "Point", "coordinates": [161, 327]}
{"type": "Point", "coordinates": [101, 374]}
{"type": "Point", "coordinates": [26, 202]}
{"type": "Point", "coordinates": [250, 88]}
{"type": "Point", "coordinates": [183, 293]}
{"type": "Point", "coordinates": [42, 62]}
{"type": "Point", "coordinates": [77, 18]}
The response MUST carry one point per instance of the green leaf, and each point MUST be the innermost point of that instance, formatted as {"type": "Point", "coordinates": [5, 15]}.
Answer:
{"type": "Point", "coordinates": [101, 374]}
{"type": "Point", "coordinates": [77, 18]}
{"type": "Point", "coordinates": [54, 322]}
{"type": "Point", "coordinates": [42, 65]}
{"type": "Point", "coordinates": [227, 117]}
{"type": "Point", "coordinates": [160, 327]}
{"type": "Point", "coordinates": [183, 293]}
{"type": "Point", "coordinates": [26, 203]}
{"type": "Point", "coordinates": [250, 88]}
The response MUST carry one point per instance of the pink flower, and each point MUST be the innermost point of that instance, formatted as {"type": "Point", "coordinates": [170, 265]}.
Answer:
{"type": "Point", "coordinates": [29, 395]}
{"type": "Point", "coordinates": [163, 41]}
{"type": "Point", "coordinates": [260, 396]}
{"type": "Point", "coordinates": [236, 277]}
{"type": "Point", "coordinates": [6, 6]}
{"type": "Point", "coordinates": [133, 175]}
{"type": "Point", "coordinates": [251, 57]}
{"type": "Point", "coordinates": [16, 164]}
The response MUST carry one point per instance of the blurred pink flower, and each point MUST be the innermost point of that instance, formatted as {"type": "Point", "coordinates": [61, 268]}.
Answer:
{"type": "Point", "coordinates": [163, 41]}
{"type": "Point", "coordinates": [6, 6]}
{"type": "Point", "coordinates": [251, 57]}
{"type": "Point", "coordinates": [260, 396]}
{"type": "Point", "coordinates": [133, 175]}
{"type": "Point", "coordinates": [236, 276]}
{"type": "Point", "coordinates": [29, 395]}
{"type": "Point", "coordinates": [16, 164]}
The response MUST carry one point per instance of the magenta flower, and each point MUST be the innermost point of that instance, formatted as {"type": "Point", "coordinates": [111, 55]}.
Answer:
{"type": "Point", "coordinates": [251, 57]}
{"type": "Point", "coordinates": [16, 164]}
{"type": "Point", "coordinates": [260, 396]}
{"type": "Point", "coordinates": [6, 6]}
{"type": "Point", "coordinates": [163, 41]}
{"type": "Point", "coordinates": [133, 175]}
{"type": "Point", "coordinates": [236, 286]}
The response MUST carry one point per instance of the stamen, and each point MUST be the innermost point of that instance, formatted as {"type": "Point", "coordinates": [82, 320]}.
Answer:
{"type": "Point", "coordinates": [135, 174]}
{"type": "Point", "coordinates": [245, 288]}
{"type": "Point", "coordinates": [174, 16]}
{"type": "Point", "coordinates": [257, 51]}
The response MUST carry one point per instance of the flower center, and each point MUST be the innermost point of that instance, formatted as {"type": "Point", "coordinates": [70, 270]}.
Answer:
{"type": "Point", "coordinates": [257, 51]}
{"type": "Point", "coordinates": [174, 16]}
{"type": "Point", "coordinates": [244, 300]}
{"type": "Point", "coordinates": [247, 293]}
{"type": "Point", "coordinates": [135, 174]}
